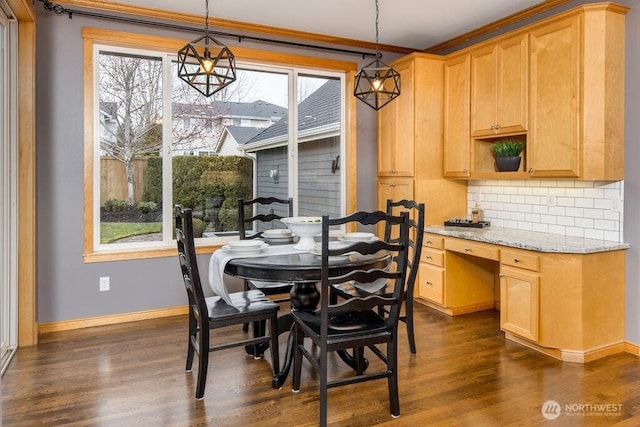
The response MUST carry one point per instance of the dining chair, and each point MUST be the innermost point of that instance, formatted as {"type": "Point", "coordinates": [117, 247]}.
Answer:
{"type": "Point", "coordinates": [207, 313]}
{"type": "Point", "coordinates": [266, 211]}
{"type": "Point", "coordinates": [355, 323]}
{"type": "Point", "coordinates": [416, 234]}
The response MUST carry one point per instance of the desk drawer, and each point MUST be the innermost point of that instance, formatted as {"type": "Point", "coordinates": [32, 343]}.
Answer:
{"type": "Point", "coordinates": [433, 241]}
{"type": "Point", "coordinates": [520, 259]}
{"type": "Point", "coordinates": [432, 256]}
{"type": "Point", "coordinates": [479, 250]}
{"type": "Point", "coordinates": [431, 283]}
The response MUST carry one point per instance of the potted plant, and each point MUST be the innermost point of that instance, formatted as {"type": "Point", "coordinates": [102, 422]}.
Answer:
{"type": "Point", "coordinates": [507, 153]}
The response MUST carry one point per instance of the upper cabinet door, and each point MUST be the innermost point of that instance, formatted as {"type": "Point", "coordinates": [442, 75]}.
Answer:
{"type": "Point", "coordinates": [499, 81]}
{"type": "Point", "coordinates": [554, 142]}
{"type": "Point", "coordinates": [396, 130]}
{"type": "Point", "coordinates": [457, 152]}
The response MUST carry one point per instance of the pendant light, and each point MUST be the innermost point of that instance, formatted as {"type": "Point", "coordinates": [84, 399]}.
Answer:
{"type": "Point", "coordinates": [377, 83]}
{"type": "Point", "coordinates": [206, 64]}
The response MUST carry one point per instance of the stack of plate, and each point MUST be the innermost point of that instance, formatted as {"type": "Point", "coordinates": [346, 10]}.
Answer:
{"type": "Point", "coordinates": [245, 246]}
{"type": "Point", "coordinates": [278, 235]}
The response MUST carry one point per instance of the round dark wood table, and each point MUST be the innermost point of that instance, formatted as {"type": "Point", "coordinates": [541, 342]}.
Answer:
{"type": "Point", "coordinates": [303, 270]}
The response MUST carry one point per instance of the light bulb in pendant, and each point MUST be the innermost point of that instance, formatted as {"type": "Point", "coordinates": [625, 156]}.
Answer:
{"type": "Point", "coordinates": [377, 85]}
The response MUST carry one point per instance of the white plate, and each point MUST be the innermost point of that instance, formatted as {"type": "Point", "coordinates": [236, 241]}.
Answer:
{"type": "Point", "coordinates": [318, 252]}
{"type": "Point", "coordinates": [245, 250]}
{"type": "Point", "coordinates": [277, 233]}
{"type": "Point", "coordinates": [358, 236]}
{"type": "Point", "coordinates": [367, 239]}
{"type": "Point", "coordinates": [245, 245]}
{"type": "Point", "coordinates": [287, 239]}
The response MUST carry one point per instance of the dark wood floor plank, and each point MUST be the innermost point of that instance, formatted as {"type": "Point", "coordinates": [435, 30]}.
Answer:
{"type": "Point", "coordinates": [464, 374]}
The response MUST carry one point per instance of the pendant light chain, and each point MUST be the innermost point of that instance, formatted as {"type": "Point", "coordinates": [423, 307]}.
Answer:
{"type": "Point", "coordinates": [378, 54]}
{"type": "Point", "coordinates": [377, 83]}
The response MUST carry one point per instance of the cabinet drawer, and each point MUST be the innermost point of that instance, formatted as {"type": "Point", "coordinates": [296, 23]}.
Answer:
{"type": "Point", "coordinates": [431, 283]}
{"type": "Point", "coordinates": [432, 256]}
{"type": "Point", "coordinates": [475, 249]}
{"type": "Point", "coordinates": [433, 241]}
{"type": "Point", "coordinates": [520, 259]}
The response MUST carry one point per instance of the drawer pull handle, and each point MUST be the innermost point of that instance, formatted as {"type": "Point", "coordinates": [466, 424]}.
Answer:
{"type": "Point", "coordinates": [429, 257]}
{"type": "Point", "coordinates": [467, 249]}
{"type": "Point", "coordinates": [429, 283]}
{"type": "Point", "coordinates": [516, 260]}
{"type": "Point", "coordinates": [428, 242]}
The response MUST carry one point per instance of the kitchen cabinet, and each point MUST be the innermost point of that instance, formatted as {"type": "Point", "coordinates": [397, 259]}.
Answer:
{"type": "Point", "coordinates": [519, 293]}
{"type": "Point", "coordinates": [410, 146]}
{"type": "Point", "coordinates": [457, 98]}
{"type": "Point", "coordinates": [396, 127]}
{"type": "Point", "coordinates": [567, 305]}
{"type": "Point", "coordinates": [577, 95]}
{"type": "Point", "coordinates": [571, 118]}
{"type": "Point", "coordinates": [499, 87]}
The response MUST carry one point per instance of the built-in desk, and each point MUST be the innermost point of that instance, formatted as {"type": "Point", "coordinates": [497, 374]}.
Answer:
{"type": "Point", "coordinates": [560, 295]}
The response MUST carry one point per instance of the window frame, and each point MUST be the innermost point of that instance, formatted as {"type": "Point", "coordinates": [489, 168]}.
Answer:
{"type": "Point", "coordinates": [116, 39]}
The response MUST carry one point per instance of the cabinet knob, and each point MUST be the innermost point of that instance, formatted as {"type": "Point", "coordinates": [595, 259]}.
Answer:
{"type": "Point", "coordinates": [429, 257]}
{"type": "Point", "coordinates": [493, 127]}
{"type": "Point", "coordinates": [530, 170]}
{"type": "Point", "coordinates": [467, 249]}
{"type": "Point", "coordinates": [429, 283]}
{"type": "Point", "coordinates": [394, 171]}
{"type": "Point", "coordinates": [465, 171]}
{"type": "Point", "coordinates": [516, 260]}
{"type": "Point", "coordinates": [392, 185]}
{"type": "Point", "coordinates": [428, 242]}
{"type": "Point", "coordinates": [501, 275]}
{"type": "Point", "coordinates": [497, 127]}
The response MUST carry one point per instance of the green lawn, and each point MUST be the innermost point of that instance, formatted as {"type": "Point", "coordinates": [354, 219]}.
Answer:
{"type": "Point", "coordinates": [112, 231]}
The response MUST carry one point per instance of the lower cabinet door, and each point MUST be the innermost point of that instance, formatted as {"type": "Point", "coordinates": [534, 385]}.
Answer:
{"type": "Point", "coordinates": [431, 281]}
{"type": "Point", "coordinates": [519, 302]}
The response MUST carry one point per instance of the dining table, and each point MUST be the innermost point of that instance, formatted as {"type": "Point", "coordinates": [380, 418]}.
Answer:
{"type": "Point", "coordinates": [283, 263]}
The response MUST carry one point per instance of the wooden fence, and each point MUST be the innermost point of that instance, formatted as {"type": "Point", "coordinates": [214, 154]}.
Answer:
{"type": "Point", "coordinates": [113, 179]}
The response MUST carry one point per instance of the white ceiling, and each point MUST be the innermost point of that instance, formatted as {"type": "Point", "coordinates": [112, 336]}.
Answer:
{"type": "Point", "coordinates": [414, 24]}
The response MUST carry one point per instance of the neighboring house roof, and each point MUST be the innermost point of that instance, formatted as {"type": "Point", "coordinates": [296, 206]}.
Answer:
{"type": "Point", "coordinates": [109, 108]}
{"type": "Point", "coordinates": [318, 116]}
{"type": "Point", "coordinates": [258, 108]}
{"type": "Point", "coordinates": [235, 135]}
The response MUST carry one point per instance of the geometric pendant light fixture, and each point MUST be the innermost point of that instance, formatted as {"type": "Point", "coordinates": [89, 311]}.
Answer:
{"type": "Point", "coordinates": [206, 64]}
{"type": "Point", "coordinates": [377, 83]}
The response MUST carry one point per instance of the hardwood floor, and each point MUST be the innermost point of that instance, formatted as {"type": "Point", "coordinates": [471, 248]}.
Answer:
{"type": "Point", "coordinates": [465, 374]}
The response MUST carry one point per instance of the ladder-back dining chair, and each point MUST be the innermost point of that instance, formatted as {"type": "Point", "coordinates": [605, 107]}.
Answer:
{"type": "Point", "coordinates": [355, 323]}
{"type": "Point", "coordinates": [265, 213]}
{"type": "Point", "coordinates": [207, 313]}
{"type": "Point", "coordinates": [416, 234]}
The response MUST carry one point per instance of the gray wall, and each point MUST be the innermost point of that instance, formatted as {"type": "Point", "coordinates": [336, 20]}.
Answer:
{"type": "Point", "coordinates": [67, 288]}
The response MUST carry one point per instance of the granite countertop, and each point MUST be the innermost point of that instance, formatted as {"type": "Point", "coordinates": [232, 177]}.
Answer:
{"type": "Point", "coordinates": [530, 240]}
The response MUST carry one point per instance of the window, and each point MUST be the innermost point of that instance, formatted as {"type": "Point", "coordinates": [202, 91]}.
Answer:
{"type": "Point", "coordinates": [157, 142]}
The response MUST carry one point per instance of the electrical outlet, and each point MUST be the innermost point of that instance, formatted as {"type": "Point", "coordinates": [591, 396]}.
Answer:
{"type": "Point", "coordinates": [615, 204]}
{"type": "Point", "coordinates": [104, 284]}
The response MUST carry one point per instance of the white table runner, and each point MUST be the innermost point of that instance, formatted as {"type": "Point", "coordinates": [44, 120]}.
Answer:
{"type": "Point", "coordinates": [221, 257]}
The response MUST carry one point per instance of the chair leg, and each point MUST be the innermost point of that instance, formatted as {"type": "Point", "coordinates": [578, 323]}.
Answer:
{"type": "Point", "coordinates": [297, 358]}
{"type": "Point", "coordinates": [409, 322]}
{"type": "Point", "coordinates": [203, 363]}
{"type": "Point", "coordinates": [392, 365]}
{"type": "Point", "coordinates": [358, 354]}
{"type": "Point", "coordinates": [275, 351]}
{"type": "Point", "coordinates": [323, 385]}
{"type": "Point", "coordinates": [193, 332]}
{"type": "Point", "coordinates": [259, 328]}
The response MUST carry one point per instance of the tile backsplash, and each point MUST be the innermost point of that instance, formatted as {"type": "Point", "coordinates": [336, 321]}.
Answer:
{"type": "Point", "coordinates": [590, 209]}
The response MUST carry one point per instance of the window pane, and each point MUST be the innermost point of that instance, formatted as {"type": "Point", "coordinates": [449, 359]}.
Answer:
{"type": "Point", "coordinates": [130, 142]}
{"type": "Point", "coordinates": [319, 146]}
{"type": "Point", "coordinates": [210, 169]}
